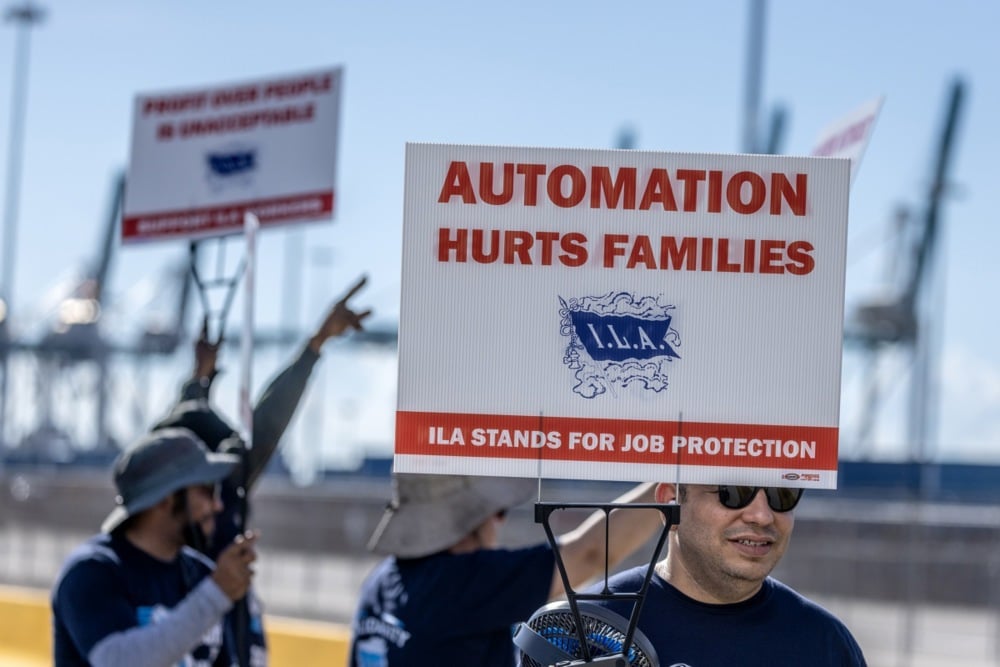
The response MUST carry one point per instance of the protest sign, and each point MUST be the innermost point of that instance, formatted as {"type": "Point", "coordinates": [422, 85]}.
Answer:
{"type": "Point", "coordinates": [202, 158]}
{"type": "Point", "coordinates": [849, 135]}
{"type": "Point", "coordinates": [621, 315]}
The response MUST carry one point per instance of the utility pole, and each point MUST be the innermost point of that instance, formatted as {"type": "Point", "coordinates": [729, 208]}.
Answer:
{"type": "Point", "coordinates": [756, 138]}
{"type": "Point", "coordinates": [921, 429]}
{"type": "Point", "coordinates": [752, 82]}
{"type": "Point", "coordinates": [24, 16]}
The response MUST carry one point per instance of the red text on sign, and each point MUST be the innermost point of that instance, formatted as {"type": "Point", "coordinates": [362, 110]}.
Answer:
{"type": "Point", "coordinates": [511, 246]}
{"type": "Point", "coordinates": [659, 189]}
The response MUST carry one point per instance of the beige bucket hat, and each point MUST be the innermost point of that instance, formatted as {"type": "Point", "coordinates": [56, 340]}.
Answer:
{"type": "Point", "coordinates": [429, 513]}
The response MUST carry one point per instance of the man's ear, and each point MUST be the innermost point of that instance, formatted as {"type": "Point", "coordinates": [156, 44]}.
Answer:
{"type": "Point", "coordinates": [665, 492]}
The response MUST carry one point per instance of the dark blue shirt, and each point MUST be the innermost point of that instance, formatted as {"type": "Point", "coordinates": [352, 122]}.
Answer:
{"type": "Point", "coordinates": [776, 627]}
{"type": "Point", "coordinates": [108, 586]}
{"type": "Point", "coordinates": [449, 609]}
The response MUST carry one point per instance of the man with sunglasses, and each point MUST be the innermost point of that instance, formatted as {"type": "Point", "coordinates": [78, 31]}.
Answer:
{"type": "Point", "coordinates": [448, 593]}
{"type": "Point", "coordinates": [135, 594]}
{"type": "Point", "coordinates": [711, 601]}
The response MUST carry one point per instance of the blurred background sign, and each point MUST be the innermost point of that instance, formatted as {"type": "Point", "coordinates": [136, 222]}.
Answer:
{"type": "Point", "coordinates": [203, 157]}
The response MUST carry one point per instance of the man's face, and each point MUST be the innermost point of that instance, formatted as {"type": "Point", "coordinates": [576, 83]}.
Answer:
{"type": "Point", "coordinates": [724, 554]}
{"type": "Point", "coordinates": [204, 502]}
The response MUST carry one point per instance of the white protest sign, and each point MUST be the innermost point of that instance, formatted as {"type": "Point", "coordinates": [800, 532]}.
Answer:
{"type": "Point", "coordinates": [202, 158]}
{"type": "Point", "coordinates": [849, 136]}
{"type": "Point", "coordinates": [621, 315]}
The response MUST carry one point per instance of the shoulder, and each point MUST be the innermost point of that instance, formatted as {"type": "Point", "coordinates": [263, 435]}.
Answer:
{"type": "Point", "coordinates": [788, 597]}
{"type": "Point", "coordinates": [484, 560]}
{"type": "Point", "coordinates": [536, 552]}
{"type": "Point", "coordinates": [525, 565]}
{"type": "Point", "coordinates": [91, 564]}
{"type": "Point", "coordinates": [384, 568]}
{"type": "Point", "coordinates": [626, 580]}
{"type": "Point", "coordinates": [464, 572]}
{"type": "Point", "coordinates": [197, 559]}
{"type": "Point", "coordinates": [99, 550]}
{"type": "Point", "coordinates": [808, 613]}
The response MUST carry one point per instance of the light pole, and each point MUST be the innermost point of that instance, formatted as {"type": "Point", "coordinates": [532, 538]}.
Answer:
{"type": "Point", "coordinates": [751, 94]}
{"type": "Point", "coordinates": [24, 16]}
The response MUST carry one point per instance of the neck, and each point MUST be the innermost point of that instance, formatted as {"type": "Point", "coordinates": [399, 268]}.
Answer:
{"type": "Point", "coordinates": [474, 541]}
{"type": "Point", "coordinates": [156, 543]}
{"type": "Point", "coordinates": [674, 572]}
{"type": "Point", "coordinates": [467, 544]}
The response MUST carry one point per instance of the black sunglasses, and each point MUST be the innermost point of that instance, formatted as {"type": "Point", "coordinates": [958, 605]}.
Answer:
{"type": "Point", "coordinates": [779, 499]}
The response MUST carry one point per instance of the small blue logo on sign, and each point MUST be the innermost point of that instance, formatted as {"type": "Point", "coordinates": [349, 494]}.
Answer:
{"type": "Point", "coordinates": [232, 165]}
{"type": "Point", "coordinates": [617, 340]}
{"type": "Point", "coordinates": [227, 164]}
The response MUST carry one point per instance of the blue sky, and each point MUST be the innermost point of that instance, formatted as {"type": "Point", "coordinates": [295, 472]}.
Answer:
{"type": "Point", "coordinates": [560, 73]}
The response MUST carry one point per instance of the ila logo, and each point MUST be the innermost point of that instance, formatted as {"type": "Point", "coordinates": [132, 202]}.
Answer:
{"type": "Point", "coordinates": [232, 165]}
{"type": "Point", "coordinates": [617, 340]}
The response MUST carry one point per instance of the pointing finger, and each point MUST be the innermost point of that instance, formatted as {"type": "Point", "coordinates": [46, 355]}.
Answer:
{"type": "Point", "coordinates": [354, 289]}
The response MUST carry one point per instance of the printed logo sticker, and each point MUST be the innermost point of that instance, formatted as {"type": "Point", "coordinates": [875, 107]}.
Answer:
{"type": "Point", "coordinates": [618, 340]}
{"type": "Point", "coordinates": [801, 476]}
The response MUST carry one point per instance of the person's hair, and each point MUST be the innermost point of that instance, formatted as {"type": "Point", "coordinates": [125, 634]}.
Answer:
{"type": "Point", "coordinates": [180, 504]}
{"type": "Point", "coordinates": [180, 507]}
{"type": "Point", "coordinates": [682, 492]}
{"type": "Point", "coordinates": [124, 526]}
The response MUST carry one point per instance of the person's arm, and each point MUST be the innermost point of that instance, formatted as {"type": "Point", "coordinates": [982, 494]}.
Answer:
{"type": "Point", "coordinates": [277, 405]}
{"type": "Point", "coordinates": [274, 411]}
{"type": "Point", "coordinates": [206, 356]}
{"type": "Point", "coordinates": [167, 640]}
{"type": "Point", "coordinates": [583, 548]}
{"type": "Point", "coordinates": [171, 637]}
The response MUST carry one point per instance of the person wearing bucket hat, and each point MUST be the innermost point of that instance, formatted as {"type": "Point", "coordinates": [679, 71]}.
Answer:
{"type": "Point", "coordinates": [447, 595]}
{"type": "Point", "coordinates": [136, 594]}
{"type": "Point", "coordinates": [271, 415]}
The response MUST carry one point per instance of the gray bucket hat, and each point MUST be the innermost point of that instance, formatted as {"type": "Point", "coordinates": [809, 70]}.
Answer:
{"type": "Point", "coordinates": [430, 513]}
{"type": "Point", "coordinates": [157, 465]}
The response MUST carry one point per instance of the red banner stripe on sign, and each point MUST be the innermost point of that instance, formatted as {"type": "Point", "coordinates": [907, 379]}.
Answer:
{"type": "Point", "coordinates": [200, 221]}
{"type": "Point", "coordinates": [618, 441]}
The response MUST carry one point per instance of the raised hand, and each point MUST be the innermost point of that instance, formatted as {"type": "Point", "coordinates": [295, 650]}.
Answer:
{"type": "Point", "coordinates": [340, 318]}
{"type": "Point", "coordinates": [206, 353]}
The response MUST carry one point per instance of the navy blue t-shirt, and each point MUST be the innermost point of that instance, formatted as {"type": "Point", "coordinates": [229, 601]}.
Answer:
{"type": "Point", "coordinates": [449, 609]}
{"type": "Point", "coordinates": [776, 627]}
{"type": "Point", "coordinates": [108, 585]}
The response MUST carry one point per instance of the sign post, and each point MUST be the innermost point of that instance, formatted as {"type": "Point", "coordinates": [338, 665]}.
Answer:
{"type": "Point", "coordinates": [621, 315]}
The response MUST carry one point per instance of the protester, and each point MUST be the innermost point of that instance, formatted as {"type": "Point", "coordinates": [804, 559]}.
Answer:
{"type": "Point", "coordinates": [135, 594]}
{"type": "Point", "coordinates": [271, 414]}
{"type": "Point", "coordinates": [711, 601]}
{"type": "Point", "coordinates": [446, 595]}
